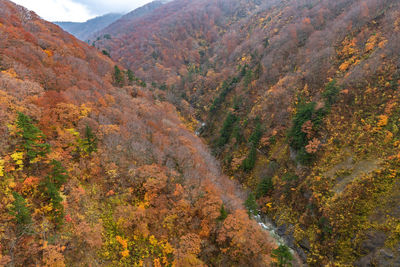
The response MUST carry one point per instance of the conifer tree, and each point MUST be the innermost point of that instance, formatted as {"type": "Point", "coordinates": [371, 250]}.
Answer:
{"type": "Point", "coordinates": [33, 138]}
{"type": "Point", "coordinates": [20, 211]}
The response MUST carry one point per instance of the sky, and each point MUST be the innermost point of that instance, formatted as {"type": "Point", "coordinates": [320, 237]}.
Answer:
{"type": "Point", "coordinates": [78, 10]}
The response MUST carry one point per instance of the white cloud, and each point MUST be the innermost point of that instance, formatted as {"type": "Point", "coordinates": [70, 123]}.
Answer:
{"type": "Point", "coordinates": [107, 6]}
{"type": "Point", "coordinates": [58, 10]}
{"type": "Point", "coordinates": [78, 10]}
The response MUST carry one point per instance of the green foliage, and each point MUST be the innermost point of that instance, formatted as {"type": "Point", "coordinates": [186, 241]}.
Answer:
{"type": "Point", "coordinates": [289, 177]}
{"type": "Point", "coordinates": [251, 205]}
{"type": "Point", "coordinates": [226, 130]}
{"type": "Point", "coordinates": [236, 103]}
{"type": "Point", "coordinates": [106, 53]}
{"type": "Point", "coordinates": [20, 211]}
{"type": "Point", "coordinates": [89, 143]}
{"type": "Point", "coordinates": [256, 135]}
{"type": "Point", "coordinates": [243, 70]}
{"type": "Point", "coordinates": [51, 186]}
{"type": "Point", "coordinates": [303, 157]}
{"type": "Point", "coordinates": [250, 161]}
{"type": "Point", "coordinates": [163, 87]}
{"type": "Point", "coordinates": [283, 256]}
{"type": "Point", "coordinates": [265, 186]}
{"type": "Point", "coordinates": [258, 71]}
{"type": "Point", "coordinates": [237, 133]}
{"type": "Point", "coordinates": [52, 193]}
{"type": "Point", "coordinates": [33, 138]}
{"type": "Point", "coordinates": [58, 175]}
{"type": "Point", "coordinates": [118, 77]}
{"type": "Point", "coordinates": [248, 77]}
{"type": "Point", "coordinates": [297, 138]}
{"type": "Point", "coordinates": [142, 84]}
{"type": "Point", "coordinates": [227, 86]}
{"type": "Point", "coordinates": [131, 76]}
{"type": "Point", "coordinates": [325, 226]}
{"type": "Point", "coordinates": [331, 93]}
{"type": "Point", "coordinates": [266, 42]}
{"type": "Point", "coordinates": [223, 213]}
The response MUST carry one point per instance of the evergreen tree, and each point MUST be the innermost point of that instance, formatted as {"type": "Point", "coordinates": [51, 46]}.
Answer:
{"type": "Point", "coordinates": [118, 77]}
{"type": "Point", "coordinates": [251, 205]}
{"type": "Point", "coordinates": [20, 211]}
{"type": "Point", "coordinates": [250, 161]}
{"type": "Point", "coordinates": [89, 143]}
{"type": "Point", "coordinates": [256, 135]}
{"type": "Point", "coordinates": [131, 76]}
{"type": "Point", "coordinates": [265, 186]}
{"type": "Point", "coordinates": [51, 187]}
{"type": "Point", "coordinates": [331, 93]}
{"type": "Point", "coordinates": [58, 175]}
{"type": "Point", "coordinates": [226, 130]}
{"type": "Point", "coordinates": [33, 138]}
{"type": "Point", "coordinates": [283, 256]}
{"type": "Point", "coordinates": [223, 213]}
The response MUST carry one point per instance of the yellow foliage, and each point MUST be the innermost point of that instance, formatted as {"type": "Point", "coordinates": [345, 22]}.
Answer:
{"type": "Point", "coordinates": [371, 43]}
{"type": "Point", "coordinates": [157, 263]}
{"type": "Point", "coordinates": [73, 132]}
{"type": "Point", "coordinates": [349, 47]}
{"type": "Point", "coordinates": [397, 25]}
{"type": "Point", "coordinates": [388, 137]}
{"type": "Point", "coordinates": [167, 248]}
{"type": "Point", "coordinates": [123, 242]}
{"type": "Point", "coordinates": [84, 111]}
{"type": "Point", "coordinates": [18, 157]}
{"type": "Point", "coordinates": [1, 167]}
{"type": "Point", "coordinates": [125, 253]}
{"type": "Point", "coordinates": [382, 43]}
{"type": "Point", "coordinates": [48, 52]}
{"type": "Point", "coordinates": [383, 120]}
{"type": "Point", "coordinates": [10, 72]}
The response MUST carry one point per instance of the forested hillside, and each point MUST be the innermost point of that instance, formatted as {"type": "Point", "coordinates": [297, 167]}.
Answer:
{"type": "Point", "coordinates": [300, 100]}
{"type": "Point", "coordinates": [84, 30]}
{"type": "Point", "coordinates": [97, 169]}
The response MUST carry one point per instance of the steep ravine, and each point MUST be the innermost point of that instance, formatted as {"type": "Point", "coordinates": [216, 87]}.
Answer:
{"type": "Point", "coordinates": [277, 233]}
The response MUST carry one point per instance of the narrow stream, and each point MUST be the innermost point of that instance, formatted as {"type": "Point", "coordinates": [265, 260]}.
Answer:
{"type": "Point", "coordinates": [264, 222]}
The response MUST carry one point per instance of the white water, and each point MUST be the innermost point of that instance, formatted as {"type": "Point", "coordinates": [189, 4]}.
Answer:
{"type": "Point", "coordinates": [267, 225]}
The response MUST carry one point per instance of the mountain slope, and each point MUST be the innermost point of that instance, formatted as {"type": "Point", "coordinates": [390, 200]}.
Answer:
{"type": "Point", "coordinates": [97, 174]}
{"type": "Point", "coordinates": [83, 30]}
{"type": "Point", "coordinates": [300, 102]}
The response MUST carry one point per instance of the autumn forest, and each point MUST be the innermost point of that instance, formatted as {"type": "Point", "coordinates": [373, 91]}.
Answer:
{"type": "Point", "coordinates": [203, 133]}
